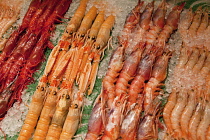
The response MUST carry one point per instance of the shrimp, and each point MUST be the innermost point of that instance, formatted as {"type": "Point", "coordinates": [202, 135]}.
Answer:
{"type": "Point", "coordinates": [104, 33]}
{"type": "Point", "coordinates": [47, 113]}
{"type": "Point", "coordinates": [158, 20]}
{"type": "Point", "coordinates": [96, 25]}
{"type": "Point", "coordinates": [71, 122]}
{"type": "Point", "coordinates": [79, 41]}
{"type": "Point", "coordinates": [206, 66]}
{"type": "Point", "coordinates": [192, 59]}
{"type": "Point", "coordinates": [195, 25]}
{"type": "Point", "coordinates": [35, 109]}
{"type": "Point", "coordinates": [99, 46]}
{"type": "Point", "coordinates": [143, 74]}
{"type": "Point", "coordinates": [204, 123]}
{"type": "Point", "coordinates": [131, 21]}
{"type": "Point", "coordinates": [201, 29]}
{"type": "Point", "coordinates": [187, 114]}
{"type": "Point", "coordinates": [75, 21]}
{"type": "Point", "coordinates": [183, 58]}
{"type": "Point", "coordinates": [145, 18]}
{"type": "Point", "coordinates": [148, 127]}
{"type": "Point", "coordinates": [170, 26]}
{"type": "Point", "coordinates": [201, 60]}
{"type": "Point", "coordinates": [59, 117]}
{"type": "Point", "coordinates": [89, 43]}
{"type": "Point", "coordinates": [95, 124]}
{"type": "Point", "coordinates": [108, 84]}
{"type": "Point", "coordinates": [38, 99]}
{"type": "Point", "coordinates": [194, 122]}
{"type": "Point", "coordinates": [158, 75]}
{"type": "Point", "coordinates": [130, 123]}
{"type": "Point", "coordinates": [127, 73]}
{"type": "Point", "coordinates": [176, 113]}
{"type": "Point", "coordinates": [139, 39]}
{"type": "Point", "coordinates": [115, 117]}
{"type": "Point", "coordinates": [168, 109]}
{"type": "Point", "coordinates": [87, 21]}
{"type": "Point", "coordinates": [184, 26]}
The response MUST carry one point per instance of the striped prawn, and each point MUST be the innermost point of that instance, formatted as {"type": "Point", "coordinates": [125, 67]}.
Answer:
{"type": "Point", "coordinates": [108, 85]}
{"type": "Point", "coordinates": [115, 115]}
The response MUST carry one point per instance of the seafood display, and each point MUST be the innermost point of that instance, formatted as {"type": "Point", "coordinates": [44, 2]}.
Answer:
{"type": "Point", "coordinates": [110, 73]}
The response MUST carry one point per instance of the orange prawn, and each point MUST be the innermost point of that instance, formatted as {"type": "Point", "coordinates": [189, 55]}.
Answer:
{"type": "Point", "coordinates": [75, 21]}
{"type": "Point", "coordinates": [148, 127]}
{"type": "Point", "coordinates": [158, 75]}
{"type": "Point", "coordinates": [168, 109]}
{"type": "Point", "coordinates": [59, 117]}
{"type": "Point", "coordinates": [35, 109]}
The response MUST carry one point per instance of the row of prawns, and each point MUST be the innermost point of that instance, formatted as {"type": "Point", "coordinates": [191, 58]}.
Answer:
{"type": "Point", "coordinates": [9, 12]}
{"type": "Point", "coordinates": [128, 106]}
{"type": "Point", "coordinates": [69, 74]}
{"type": "Point", "coordinates": [187, 111]}
{"type": "Point", "coordinates": [24, 50]}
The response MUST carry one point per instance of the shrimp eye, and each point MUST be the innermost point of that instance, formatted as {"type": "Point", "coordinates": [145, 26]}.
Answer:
{"type": "Point", "coordinates": [118, 103]}
{"type": "Point", "coordinates": [93, 38]}
{"type": "Point", "coordinates": [75, 106]}
{"type": "Point", "coordinates": [82, 35]}
{"type": "Point", "coordinates": [60, 49]}
{"type": "Point", "coordinates": [98, 47]}
{"type": "Point", "coordinates": [67, 97]}
{"type": "Point", "coordinates": [37, 87]}
{"type": "Point", "coordinates": [88, 37]}
{"type": "Point", "coordinates": [42, 88]}
{"type": "Point", "coordinates": [71, 33]}
{"type": "Point", "coordinates": [54, 92]}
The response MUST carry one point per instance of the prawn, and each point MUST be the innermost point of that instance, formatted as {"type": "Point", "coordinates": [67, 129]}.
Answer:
{"type": "Point", "coordinates": [158, 22]}
{"type": "Point", "coordinates": [168, 109]}
{"type": "Point", "coordinates": [47, 112]}
{"type": "Point", "coordinates": [187, 114]}
{"type": "Point", "coordinates": [75, 21]}
{"type": "Point", "coordinates": [95, 123]}
{"type": "Point", "coordinates": [59, 117]}
{"type": "Point", "coordinates": [115, 117]}
{"type": "Point", "coordinates": [89, 43]}
{"type": "Point", "coordinates": [143, 74]}
{"type": "Point", "coordinates": [35, 109]}
{"type": "Point", "coordinates": [143, 27]}
{"type": "Point", "coordinates": [182, 98]}
{"type": "Point", "coordinates": [171, 25]}
{"type": "Point", "coordinates": [130, 123]}
{"type": "Point", "coordinates": [127, 73]}
{"type": "Point", "coordinates": [148, 127]}
{"type": "Point", "coordinates": [108, 84]}
{"type": "Point", "coordinates": [131, 21]}
{"type": "Point", "coordinates": [158, 75]}
{"type": "Point", "coordinates": [194, 122]}
{"type": "Point", "coordinates": [87, 21]}
{"type": "Point", "coordinates": [99, 46]}
{"type": "Point", "coordinates": [71, 122]}
{"type": "Point", "coordinates": [204, 123]}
